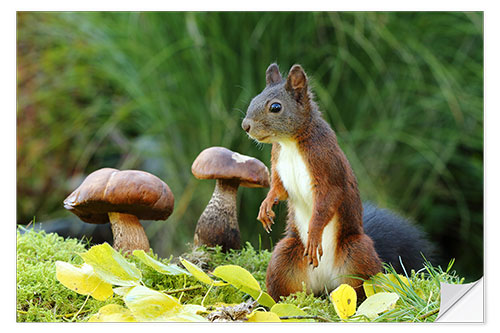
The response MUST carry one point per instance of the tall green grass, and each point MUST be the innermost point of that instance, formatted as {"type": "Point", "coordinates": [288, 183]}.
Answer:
{"type": "Point", "coordinates": [404, 92]}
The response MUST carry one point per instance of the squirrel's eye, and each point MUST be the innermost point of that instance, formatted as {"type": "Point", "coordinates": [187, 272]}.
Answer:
{"type": "Point", "coordinates": [275, 107]}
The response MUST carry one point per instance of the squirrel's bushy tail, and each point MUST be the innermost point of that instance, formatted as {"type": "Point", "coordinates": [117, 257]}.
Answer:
{"type": "Point", "coordinates": [396, 239]}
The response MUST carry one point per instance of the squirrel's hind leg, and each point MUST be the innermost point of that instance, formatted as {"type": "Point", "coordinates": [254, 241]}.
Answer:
{"type": "Point", "coordinates": [359, 259]}
{"type": "Point", "coordinates": [287, 269]}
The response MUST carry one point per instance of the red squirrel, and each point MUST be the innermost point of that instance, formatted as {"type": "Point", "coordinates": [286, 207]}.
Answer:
{"type": "Point", "coordinates": [325, 244]}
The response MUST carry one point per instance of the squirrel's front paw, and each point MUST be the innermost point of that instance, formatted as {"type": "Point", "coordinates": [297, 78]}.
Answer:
{"type": "Point", "coordinates": [266, 214]}
{"type": "Point", "coordinates": [313, 250]}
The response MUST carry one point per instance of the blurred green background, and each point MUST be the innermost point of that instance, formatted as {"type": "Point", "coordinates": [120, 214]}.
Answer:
{"type": "Point", "coordinates": [149, 91]}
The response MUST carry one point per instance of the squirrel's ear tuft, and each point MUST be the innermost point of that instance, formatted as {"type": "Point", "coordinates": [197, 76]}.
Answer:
{"type": "Point", "coordinates": [296, 82]}
{"type": "Point", "coordinates": [273, 74]}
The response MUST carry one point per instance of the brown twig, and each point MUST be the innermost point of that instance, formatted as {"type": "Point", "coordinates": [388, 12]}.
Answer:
{"type": "Point", "coordinates": [319, 318]}
{"type": "Point", "coordinates": [428, 314]}
{"type": "Point", "coordinates": [181, 290]}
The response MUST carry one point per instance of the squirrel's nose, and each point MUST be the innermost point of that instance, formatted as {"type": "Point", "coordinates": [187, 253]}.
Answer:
{"type": "Point", "coordinates": [246, 125]}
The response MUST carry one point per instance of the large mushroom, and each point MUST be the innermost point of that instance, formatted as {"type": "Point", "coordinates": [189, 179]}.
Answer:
{"type": "Point", "coordinates": [218, 224]}
{"type": "Point", "coordinates": [122, 198]}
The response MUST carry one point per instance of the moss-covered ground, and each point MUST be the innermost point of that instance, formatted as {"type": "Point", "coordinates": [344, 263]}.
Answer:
{"type": "Point", "coordinates": [41, 298]}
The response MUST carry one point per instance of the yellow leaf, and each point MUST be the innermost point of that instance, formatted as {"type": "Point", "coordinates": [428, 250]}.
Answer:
{"type": "Point", "coordinates": [394, 280]}
{"type": "Point", "coordinates": [242, 279]}
{"type": "Point", "coordinates": [185, 313]}
{"type": "Point", "coordinates": [111, 266]}
{"type": "Point", "coordinates": [344, 300]}
{"type": "Point", "coordinates": [157, 265]}
{"type": "Point", "coordinates": [182, 317]}
{"type": "Point", "coordinates": [83, 280]}
{"type": "Point", "coordinates": [377, 303]}
{"type": "Point", "coordinates": [420, 293]}
{"type": "Point", "coordinates": [237, 276]}
{"type": "Point", "coordinates": [199, 274]}
{"type": "Point", "coordinates": [262, 316]}
{"type": "Point", "coordinates": [148, 304]}
{"type": "Point", "coordinates": [113, 313]}
{"type": "Point", "coordinates": [384, 283]}
{"type": "Point", "coordinates": [122, 291]}
{"type": "Point", "coordinates": [289, 310]}
{"type": "Point", "coordinates": [370, 288]}
{"type": "Point", "coordinates": [194, 308]}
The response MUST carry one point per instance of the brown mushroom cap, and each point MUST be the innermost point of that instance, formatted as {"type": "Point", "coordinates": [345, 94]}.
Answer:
{"type": "Point", "coordinates": [130, 191]}
{"type": "Point", "coordinates": [222, 163]}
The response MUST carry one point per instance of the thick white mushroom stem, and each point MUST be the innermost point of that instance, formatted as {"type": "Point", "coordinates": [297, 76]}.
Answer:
{"type": "Point", "coordinates": [128, 233]}
{"type": "Point", "coordinates": [218, 224]}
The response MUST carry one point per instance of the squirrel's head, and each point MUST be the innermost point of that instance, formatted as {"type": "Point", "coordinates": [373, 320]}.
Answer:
{"type": "Point", "coordinates": [282, 109]}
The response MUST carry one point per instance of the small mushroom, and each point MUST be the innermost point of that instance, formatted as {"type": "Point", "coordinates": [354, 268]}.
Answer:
{"type": "Point", "coordinates": [122, 198]}
{"type": "Point", "coordinates": [218, 224]}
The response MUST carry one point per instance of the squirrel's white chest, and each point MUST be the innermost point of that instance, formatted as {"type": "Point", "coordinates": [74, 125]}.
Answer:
{"type": "Point", "coordinates": [297, 181]}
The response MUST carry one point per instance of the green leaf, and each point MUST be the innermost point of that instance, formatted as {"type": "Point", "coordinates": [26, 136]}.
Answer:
{"type": "Point", "coordinates": [289, 310]}
{"type": "Point", "coordinates": [157, 265]}
{"type": "Point", "coordinates": [113, 313]}
{"type": "Point", "coordinates": [200, 274]}
{"type": "Point", "coordinates": [242, 279]}
{"type": "Point", "coordinates": [260, 296]}
{"type": "Point", "coordinates": [148, 304]}
{"type": "Point", "coordinates": [377, 303]}
{"type": "Point", "coordinates": [83, 280]}
{"type": "Point", "coordinates": [262, 317]}
{"type": "Point", "coordinates": [111, 266]}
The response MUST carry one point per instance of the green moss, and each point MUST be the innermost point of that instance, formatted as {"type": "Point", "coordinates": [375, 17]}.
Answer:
{"type": "Point", "coordinates": [167, 283]}
{"type": "Point", "coordinates": [314, 306]}
{"type": "Point", "coordinates": [208, 258]}
{"type": "Point", "coordinates": [41, 298]}
{"type": "Point", "coordinates": [255, 261]}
